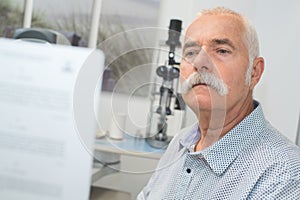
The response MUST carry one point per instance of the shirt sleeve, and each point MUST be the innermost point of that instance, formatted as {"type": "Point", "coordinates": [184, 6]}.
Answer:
{"type": "Point", "coordinates": [141, 196]}
{"type": "Point", "coordinates": [156, 181]}
{"type": "Point", "coordinates": [152, 183]}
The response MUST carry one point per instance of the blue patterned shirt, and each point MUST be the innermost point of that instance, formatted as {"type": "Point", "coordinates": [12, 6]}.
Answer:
{"type": "Point", "coordinates": [252, 161]}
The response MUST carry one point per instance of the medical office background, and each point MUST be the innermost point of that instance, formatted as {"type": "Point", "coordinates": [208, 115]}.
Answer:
{"type": "Point", "coordinates": [277, 24]}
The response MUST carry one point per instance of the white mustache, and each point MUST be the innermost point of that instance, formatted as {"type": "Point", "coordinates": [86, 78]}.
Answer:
{"type": "Point", "coordinates": [204, 78]}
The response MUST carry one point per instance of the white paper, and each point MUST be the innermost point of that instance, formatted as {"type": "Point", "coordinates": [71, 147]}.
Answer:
{"type": "Point", "coordinates": [45, 144]}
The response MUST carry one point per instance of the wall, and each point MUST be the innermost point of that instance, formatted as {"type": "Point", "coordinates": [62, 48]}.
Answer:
{"type": "Point", "coordinates": [278, 30]}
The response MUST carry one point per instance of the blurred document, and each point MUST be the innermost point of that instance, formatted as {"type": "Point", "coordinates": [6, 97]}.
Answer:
{"type": "Point", "coordinates": [47, 123]}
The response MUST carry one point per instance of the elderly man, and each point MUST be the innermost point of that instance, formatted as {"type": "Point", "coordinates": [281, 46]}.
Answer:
{"type": "Point", "coordinates": [232, 152]}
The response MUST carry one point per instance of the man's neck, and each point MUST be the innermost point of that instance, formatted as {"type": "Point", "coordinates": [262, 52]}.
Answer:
{"type": "Point", "coordinates": [215, 124]}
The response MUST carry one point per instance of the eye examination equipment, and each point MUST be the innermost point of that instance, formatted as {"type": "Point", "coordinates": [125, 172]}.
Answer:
{"type": "Point", "coordinates": [168, 94]}
{"type": "Point", "coordinates": [41, 36]}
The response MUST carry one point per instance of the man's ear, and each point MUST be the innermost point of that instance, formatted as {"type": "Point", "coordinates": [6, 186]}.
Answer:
{"type": "Point", "coordinates": [257, 70]}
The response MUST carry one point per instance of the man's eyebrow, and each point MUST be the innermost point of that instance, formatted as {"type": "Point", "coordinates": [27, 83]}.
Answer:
{"type": "Point", "coordinates": [190, 44]}
{"type": "Point", "coordinates": [223, 41]}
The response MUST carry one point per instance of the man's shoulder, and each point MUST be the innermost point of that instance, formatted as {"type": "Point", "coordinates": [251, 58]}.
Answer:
{"type": "Point", "coordinates": [280, 145]}
{"type": "Point", "coordinates": [277, 150]}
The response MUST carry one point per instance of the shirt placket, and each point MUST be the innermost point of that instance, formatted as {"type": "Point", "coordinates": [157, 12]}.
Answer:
{"type": "Point", "coordinates": [187, 172]}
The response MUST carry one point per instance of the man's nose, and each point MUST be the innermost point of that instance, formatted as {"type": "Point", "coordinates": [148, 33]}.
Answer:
{"type": "Point", "coordinates": [203, 62]}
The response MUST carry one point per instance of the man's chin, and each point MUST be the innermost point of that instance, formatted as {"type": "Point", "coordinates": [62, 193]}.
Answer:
{"type": "Point", "coordinates": [205, 103]}
{"type": "Point", "coordinates": [197, 104]}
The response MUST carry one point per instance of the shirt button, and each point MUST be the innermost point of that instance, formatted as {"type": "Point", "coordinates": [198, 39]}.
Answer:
{"type": "Point", "coordinates": [188, 170]}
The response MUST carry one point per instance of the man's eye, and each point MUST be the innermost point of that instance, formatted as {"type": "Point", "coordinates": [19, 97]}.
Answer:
{"type": "Point", "coordinates": [223, 51]}
{"type": "Point", "coordinates": [190, 53]}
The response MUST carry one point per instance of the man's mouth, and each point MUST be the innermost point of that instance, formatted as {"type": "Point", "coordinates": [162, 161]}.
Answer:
{"type": "Point", "coordinates": [207, 80]}
{"type": "Point", "coordinates": [199, 84]}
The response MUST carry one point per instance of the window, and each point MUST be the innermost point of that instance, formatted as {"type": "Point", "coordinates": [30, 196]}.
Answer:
{"type": "Point", "coordinates": [125, 57]}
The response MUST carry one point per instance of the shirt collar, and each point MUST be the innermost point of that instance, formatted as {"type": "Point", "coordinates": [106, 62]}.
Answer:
{"type": "Point", "coordinates": [222, 153]}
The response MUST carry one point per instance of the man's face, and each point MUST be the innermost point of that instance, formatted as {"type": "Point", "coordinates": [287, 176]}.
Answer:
{"type": "Point", "coordinates": [214, 44]}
